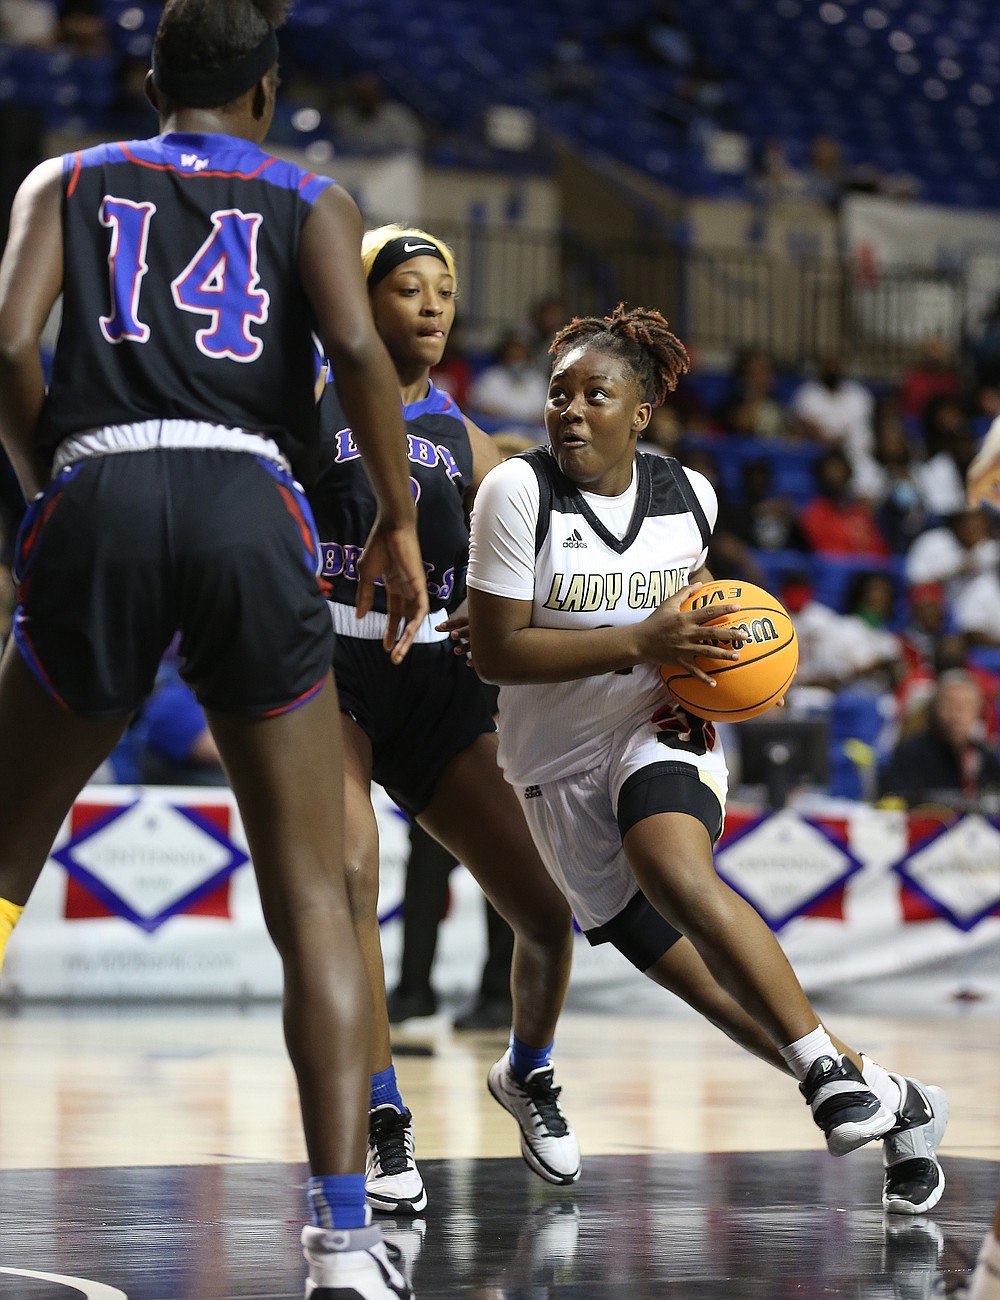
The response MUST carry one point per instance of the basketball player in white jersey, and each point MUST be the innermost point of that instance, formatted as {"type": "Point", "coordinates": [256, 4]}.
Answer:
{"type": "Point", "coordinates": [581, 555]}
{"type": "Point", "coordinates": [984, 490]}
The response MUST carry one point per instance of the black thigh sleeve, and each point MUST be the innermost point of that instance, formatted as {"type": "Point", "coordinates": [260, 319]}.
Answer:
{"type": "Point", "coordinates": [668, 787]}
{"type": "Point", "coordinates": [639, 933]}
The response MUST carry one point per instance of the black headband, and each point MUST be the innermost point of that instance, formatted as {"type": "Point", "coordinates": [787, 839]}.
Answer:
{"type": "Point", "coordinates": [221, 85]}
{"type": "Point", "coordinates": [400, 250]}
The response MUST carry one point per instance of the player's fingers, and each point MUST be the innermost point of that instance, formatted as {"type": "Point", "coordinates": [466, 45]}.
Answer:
{"type": "Point", "coordinates": [707, 612]}
{"type": "Point", "coordinates": [364, 596]}
{"type": "Point", "coordinates": [700, 673]}
{"type": "Point", "coordinates": [681, 595]}
{"type": "Point", "coordinates": [410, 628]}
{"type": "Point", "coordinates": [717, 652]}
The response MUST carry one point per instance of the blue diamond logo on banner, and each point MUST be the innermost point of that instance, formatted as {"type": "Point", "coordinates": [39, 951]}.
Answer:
{"type": "Point", "coordinates": [784, 865]}
{"type": "Point", "coordinates": [150, 860]}
{"type": "Point", "coordinates": [956, 869]}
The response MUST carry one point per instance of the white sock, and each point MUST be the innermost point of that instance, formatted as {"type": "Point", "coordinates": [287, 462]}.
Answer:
{"type": "Point", "coordinates": [882, 1084]}
{"type": "Point", "coordinates": [986, 1278]}
{"type": "Point", "coordinates": [804, 1052]}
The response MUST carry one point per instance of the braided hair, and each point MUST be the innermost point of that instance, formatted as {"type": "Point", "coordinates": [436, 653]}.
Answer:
{"type": "Point", "coordinates": [638, 336]}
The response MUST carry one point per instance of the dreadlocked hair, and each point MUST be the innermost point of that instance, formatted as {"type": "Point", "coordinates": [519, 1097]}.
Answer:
{"type": "Point", "coordinates": [205, 35]}
{"type": "Point", "coordinates": [640, 337]}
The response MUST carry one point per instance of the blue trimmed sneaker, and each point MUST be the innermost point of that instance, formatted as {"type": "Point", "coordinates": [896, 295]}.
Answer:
{"type": "Point", "coordinates": [548, 1144]}
{"type": "Point", "coordinates": [354, 1265]}
{"type": "Point", "coordinates": [843, 1105]}
{"type": "Point", "coordinates": [392, 1180]}
{"type": "Point", "coordinates": [914, 1180]}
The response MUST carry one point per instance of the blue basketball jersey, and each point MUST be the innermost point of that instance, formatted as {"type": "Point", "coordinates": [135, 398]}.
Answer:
{"type": "Point", "coordinates": [440, 456]}
{"type": "Point", "coordinates": [181, 290]}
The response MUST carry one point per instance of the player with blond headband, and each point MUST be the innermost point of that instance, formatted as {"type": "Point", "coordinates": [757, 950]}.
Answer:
{"type": "Point", "coordinates": [623, 791]}
{"type": "Point", "coordinates": [424, 730]}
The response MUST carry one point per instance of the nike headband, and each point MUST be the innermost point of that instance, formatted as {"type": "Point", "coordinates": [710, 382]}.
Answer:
{"type": "Point", "coordinates": [211, 89]}
{"type": "Point", "coordinates": [400, 250]}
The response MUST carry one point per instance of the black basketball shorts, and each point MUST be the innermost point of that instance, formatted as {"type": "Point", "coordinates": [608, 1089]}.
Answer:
{"type": "Point", "coordinates": [418, 715]}
{"type": "Point", "coordinates": [123, 550]}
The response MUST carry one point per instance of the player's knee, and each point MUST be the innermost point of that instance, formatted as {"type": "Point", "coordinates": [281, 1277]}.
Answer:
{"type": "Point", "coordinates": [549, 929]}
{"type": "Point", "coordinates": [361, 875]}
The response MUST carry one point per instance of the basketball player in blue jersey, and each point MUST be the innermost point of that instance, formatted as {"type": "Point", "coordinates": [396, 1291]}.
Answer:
{"type": "Point", "coordinates": [581, 555]}
{"type": "Point", "coordinates": [193, 269]}
{"type": "Point", "coordinates": [425, 731]}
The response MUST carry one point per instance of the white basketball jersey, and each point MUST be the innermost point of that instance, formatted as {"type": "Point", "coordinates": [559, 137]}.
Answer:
{"type": "Point", "coordinates": [536, 537]}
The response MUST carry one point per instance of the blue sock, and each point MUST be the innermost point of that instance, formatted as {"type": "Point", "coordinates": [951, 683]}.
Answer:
{"type": "Point", "coordinates": [338, 1201]}
{"type": "Point", "coordinates": [524, 1059]}
{"type": "Point", "coordinates": [385, 1089]}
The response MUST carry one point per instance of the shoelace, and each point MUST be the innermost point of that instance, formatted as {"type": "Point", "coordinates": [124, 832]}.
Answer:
{"type": "Point", "coordinates": [388, 1135]}
{"type": "Point", "coordinates": [545, 1099]}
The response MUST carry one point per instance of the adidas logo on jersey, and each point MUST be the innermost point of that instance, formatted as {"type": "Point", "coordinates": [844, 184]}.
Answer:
{"type": "Point", "coordinates": [532, 792]}
{"type": "Point", "coordinates": [574, 539]}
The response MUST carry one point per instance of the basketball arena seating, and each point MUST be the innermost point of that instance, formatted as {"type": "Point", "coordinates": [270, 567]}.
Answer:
{"type": "Point", "coordinates": [905, 88]}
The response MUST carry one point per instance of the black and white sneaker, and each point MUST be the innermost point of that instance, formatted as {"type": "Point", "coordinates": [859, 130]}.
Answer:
{"type": "Point", "coordinates": [548, 1144]}
{"type": "Point", "coordinates": [392, 1180]}
{"type": "Point", "coordinates": [354, 1265]}
{"type": "Point", "coordinates": [914, 1180]}
{"type": "Point", "coordinates": [843, 1105]}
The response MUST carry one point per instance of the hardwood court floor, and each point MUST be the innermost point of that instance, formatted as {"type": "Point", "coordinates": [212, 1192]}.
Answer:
{"type": "Point", "coordinates": [155, 1154]}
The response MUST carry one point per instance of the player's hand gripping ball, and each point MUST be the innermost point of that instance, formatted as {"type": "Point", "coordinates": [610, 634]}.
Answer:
{"type": "Point", "coordinates": [769, 656]}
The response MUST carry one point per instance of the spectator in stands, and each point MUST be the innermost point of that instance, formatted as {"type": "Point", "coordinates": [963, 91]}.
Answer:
{"type": "Point", "coordinates": [82, 28]}
{"type": "Point", "coordinates": [761, 517]}
{"type": "Point", "coordinates": [772, 177]}
{"type": "Point", "coordinates": [954, 553]}
{"type": "Point", "coordinates": [951, 447]}
{"type": "Point", "coordinates": [977, 609]}
{"type": "Point", "coordinates": [28, 22]}
{"type": "Point", "coordinates": [175, 746]}
{"type": "Point", "coordinates": [367, 121]}
{"type": "Point", "coordinates": [547, 316]}
{"type": "Point", "coordinates": [854, 648]}
{"type": "Point", "coordinates": [835, 410]}
{"type": "Point", "coordinates": [947, 651]}
{"type": "Point", "coordinates": [825, 177]}
{"type": "Point", "coordinates": [946, 761]}
{"type": "Point", "coordinates": [510, 388]}
{"type": "Point", "coordinates": [889, 481]}
{"type": "Point", "coordinates": [750, 407]}
{"type": "Point", "coordinates": [835, 522]}
{"type": "Point", "coordinates": [934, 374]}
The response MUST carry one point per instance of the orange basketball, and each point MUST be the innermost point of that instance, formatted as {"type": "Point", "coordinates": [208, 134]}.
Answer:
{"type": "Point", "coordinates": [769, 656]}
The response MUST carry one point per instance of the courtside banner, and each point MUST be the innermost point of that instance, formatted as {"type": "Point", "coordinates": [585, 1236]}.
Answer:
{"type": "Point", "coordinates": [150, 893]}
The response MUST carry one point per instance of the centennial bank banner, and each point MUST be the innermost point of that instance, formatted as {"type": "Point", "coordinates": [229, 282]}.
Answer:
{"type": "Point", "coordinates": [150, 893]}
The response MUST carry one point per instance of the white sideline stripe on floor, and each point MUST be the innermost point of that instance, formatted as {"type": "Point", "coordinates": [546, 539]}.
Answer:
{"type": "Point", "coordinates": [91, 1290]}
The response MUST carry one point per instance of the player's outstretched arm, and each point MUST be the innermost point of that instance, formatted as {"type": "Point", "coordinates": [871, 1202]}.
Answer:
{"type": "Point", "coordinates": [332, 275]}
{"type": "Point", "coordinates": [30, 282]}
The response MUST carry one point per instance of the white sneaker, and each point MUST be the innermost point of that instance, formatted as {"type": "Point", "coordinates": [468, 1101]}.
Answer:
{"type": "Point", "coordinates": [548, 1144]}
{"type": "Point", "coordinates": [351, 1265]}
{"type": "Point", "coordinates": [843, 1105]}
{"type": "Point", "coordinates": [392, 1180]}
{"type": "Point", "coordinates": [914, 1180]}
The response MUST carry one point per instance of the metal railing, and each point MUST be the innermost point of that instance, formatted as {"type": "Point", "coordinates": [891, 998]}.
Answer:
{"type": "Point", "coordinates": [718, 300]}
